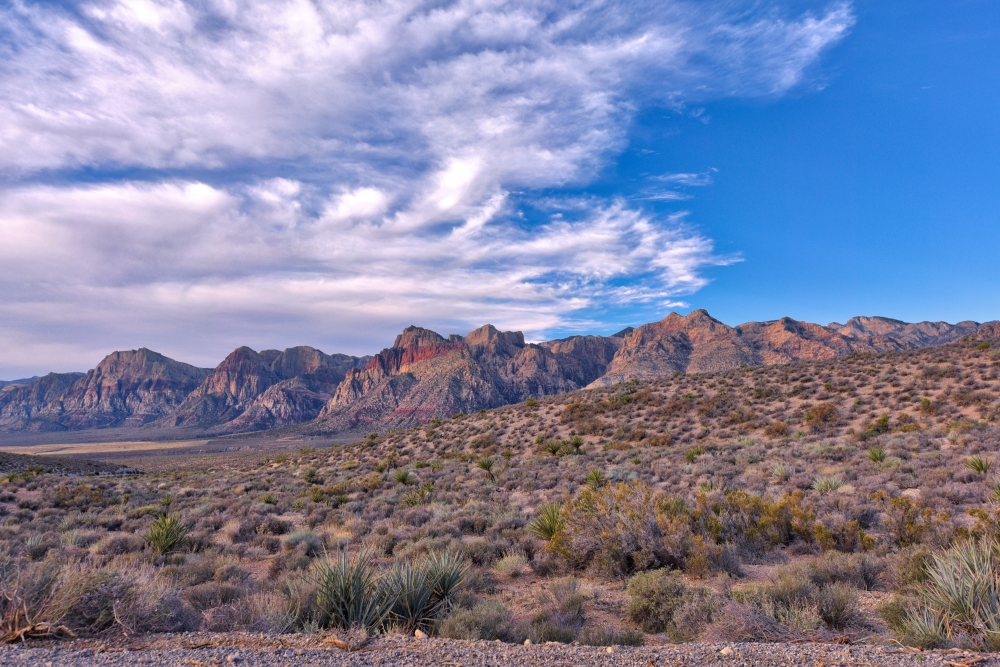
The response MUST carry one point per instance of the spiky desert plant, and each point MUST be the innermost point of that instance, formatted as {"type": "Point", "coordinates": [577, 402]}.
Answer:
{"type": "Point", "coordinates": [552, 447]}
{"type": "Point", "coordinates": [694, 452]}
{"type": "Point", "coordinates": [961, 600]}
{"type": "Point", "coordinates": [825, 484]}
{"type": "Point", "coordinates": [547, 523]}
{"type": "Point", "coordinates": [876, 455]}
{"type": "Point", "coordinates": [349, 592]}
{"type": "Point", "coordinates": [449, 572]}
{"type": "Point", "coordinates": [404, 477]}
{"type": "Point", "coordinates": [980, 464]}
{"type": "Point", "coordinates": [166, 534]}
{"type": "Point", "coordinates": [781, 471]}
{"type": "Point", "coordinates": [411, 589]}
{"type": "Point", "coordinates": [595, 478]}
{"type": "Point", "coordinates": [487, 464]}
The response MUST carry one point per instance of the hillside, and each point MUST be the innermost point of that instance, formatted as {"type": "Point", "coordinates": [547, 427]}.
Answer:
{"type": "Point", "coordinates": [426, 376]}
{"type": "Point", "coordinates": [799, 502]}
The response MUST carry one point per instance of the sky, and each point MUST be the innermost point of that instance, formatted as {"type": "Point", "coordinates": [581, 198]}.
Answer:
{"type": "Point", "coordinates": [191, 177]}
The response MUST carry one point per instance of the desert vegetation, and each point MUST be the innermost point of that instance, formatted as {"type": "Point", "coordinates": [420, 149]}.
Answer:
{"type": "Point", "coordinates": [851, 498]}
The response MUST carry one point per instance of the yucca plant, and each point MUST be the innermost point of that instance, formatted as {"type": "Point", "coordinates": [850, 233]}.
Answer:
{"type": "Point", "coordinates": [166, 534]}
{"type": "Point", "coordinates": [823, 485]}
{"type": "Point", "coordinates": [552, 447]}
{"type": "Point", "coordinates": [595, 478]}
{"type": "Point", "coordinates": [487, 464]}
{"type": "Point", "coordinates": [781, 471]}
{"type": "Point", "coordinates": [404, 477]}
{"type": "Point", "coordinates": [693, 452]}
{"type": "Point", "coordinates": [980, 464]}
{"type": "Point", "coordinates": [410, 587]}
{"type": "Point", "coordinates": [547, 524]}
{"type": "Point", "coordinates": [876, 455]}
{"type": "Point", "coordinates": [449, 572]}
{"type": "Point", "coordinates": [349, 592]}
{"type": "Point", "coordinates": [961, 600]}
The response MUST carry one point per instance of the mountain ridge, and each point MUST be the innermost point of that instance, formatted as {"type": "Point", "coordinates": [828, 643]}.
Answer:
{"type": "Point", "coordinates": [425, 375]}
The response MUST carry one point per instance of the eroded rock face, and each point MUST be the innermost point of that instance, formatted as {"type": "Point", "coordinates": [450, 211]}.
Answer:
{"type": "Point", "coordinates": [252, 391]}
{"type": "Point", "coordinates": [425, 375]}
{"type": "Point", "coordinates": [36, 406]}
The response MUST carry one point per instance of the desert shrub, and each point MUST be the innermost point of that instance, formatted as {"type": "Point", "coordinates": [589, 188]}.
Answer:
{"type": "Point", "coordinates": [737, 622]}
{"type": "Point", "coordinates": [307, 541]}
{"type": "Point", "coordinates": [116, 544]}
{"type": "Point", "coordinates": [960, 602]}
{"type": "Point", "coordinates": [513, 564]}
{"type": "Point", "coordinates": [911, 566]}
{"type": "Point", "coordinates": [212, 594]}
{"type": "Point", "coordinates": [621, 528]}
{"type": "Point", "coordinates": [792, 599]}
{"type": "Point", "coordinates": [268, 612]}
{"type": "Point", "coordinates": [166, 534]}
{"type": "Point", "coordinates": [489, 620]}
{"type": "Point", "coordinates": [837, 604]}
{"type": "Point", "coordinates": [560, 613]}
{"type": "Point", "coordinates": [660, 601]}
{"type": "Point", "coordinates": [862, 571]}
{"type": "Point", "coordinates": [607, 636]}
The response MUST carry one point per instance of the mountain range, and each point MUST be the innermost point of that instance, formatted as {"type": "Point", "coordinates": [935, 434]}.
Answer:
{"type": "Point", "coordinates": [425, 375]}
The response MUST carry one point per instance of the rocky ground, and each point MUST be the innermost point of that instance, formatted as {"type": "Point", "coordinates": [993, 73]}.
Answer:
{"type": "Point", "coordinates": [246, 650]}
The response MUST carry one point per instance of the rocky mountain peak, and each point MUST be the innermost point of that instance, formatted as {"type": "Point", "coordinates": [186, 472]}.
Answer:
{"type": "Point", "coordinates": [488, 335]}
{"type": "Point", "coordinates": [414, 336]}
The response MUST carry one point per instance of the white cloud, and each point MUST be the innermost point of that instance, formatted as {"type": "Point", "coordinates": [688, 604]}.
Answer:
{"type": "Point", "coordinates": [336, 167]}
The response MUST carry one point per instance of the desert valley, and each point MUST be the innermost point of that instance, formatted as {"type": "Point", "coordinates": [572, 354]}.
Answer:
{"type": "Point", "coordinates": [678, 483]}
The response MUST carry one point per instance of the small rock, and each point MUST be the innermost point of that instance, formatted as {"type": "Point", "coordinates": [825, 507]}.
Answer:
{"type": "Point", "coordinates": [289, 654]}
{"type": "Point", "coordinates": [527, 642]}
{"type": "Point", "coordinates": [726, 651]}
{"type": "Point", "coordinates": [611, 649]}
{"type": "Point", "coordinates": [419, 634]}
{"type": "Point", "coordinates": [233, 658]}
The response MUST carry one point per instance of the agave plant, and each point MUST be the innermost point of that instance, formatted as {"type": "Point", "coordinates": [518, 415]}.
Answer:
{"type": "Point", "coordinates": [548, 523]}
{"type": "Point", "coordinates": [166, 534]}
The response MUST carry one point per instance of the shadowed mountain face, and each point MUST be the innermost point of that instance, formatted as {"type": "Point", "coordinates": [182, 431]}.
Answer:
{"type": "Point", "coordinates": [251, 391]}
{"type": "Point", "coordinates": [425, 375]}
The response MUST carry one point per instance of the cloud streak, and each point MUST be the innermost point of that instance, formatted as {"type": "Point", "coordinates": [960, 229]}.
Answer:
{"type": "Point", "coordinates": [308, 170]}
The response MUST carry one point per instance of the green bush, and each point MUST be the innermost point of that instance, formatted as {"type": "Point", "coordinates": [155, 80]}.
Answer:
{"type": "Point", "coordinates": [548, 523]}
{"type": "Point", "coordinates": [489, 620]}
{"type": "Point", "coordinates": [654, 597]}
{"type": "Point", "coordinates": [166, 534]}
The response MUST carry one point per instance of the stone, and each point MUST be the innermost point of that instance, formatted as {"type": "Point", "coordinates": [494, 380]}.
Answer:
{"type": "Point", "coordinates": [419, 634]}
{"type": "Point", "coordinates": [726, 651]}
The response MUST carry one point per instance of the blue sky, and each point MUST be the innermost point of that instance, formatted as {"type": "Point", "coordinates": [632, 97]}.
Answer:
{"type": "Point", "coordinates": [192, 177]}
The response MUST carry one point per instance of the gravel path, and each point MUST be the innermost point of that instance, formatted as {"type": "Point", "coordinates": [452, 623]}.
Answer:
{"type": "Point", "coordinates": [205, 650]}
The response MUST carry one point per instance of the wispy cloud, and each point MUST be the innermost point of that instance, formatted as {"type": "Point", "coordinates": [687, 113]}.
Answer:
{"type": "Point", "coordinates": [299, 171]}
